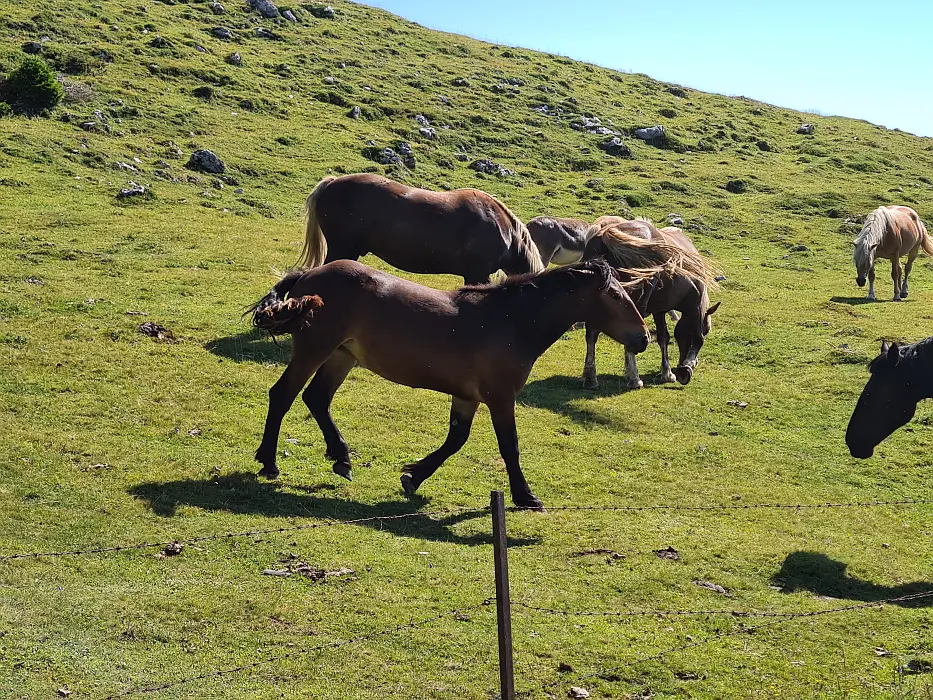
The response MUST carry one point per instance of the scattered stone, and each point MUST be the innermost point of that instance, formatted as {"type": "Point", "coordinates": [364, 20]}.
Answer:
{"type": "Point", "coordinates": [199, 48]}
{"type": "Point", "coordinates": [234, 59]}
{"type": "Point", "coordinates": [576, 692]}
{"type": "Point", "coordinates": [265, 8]}
{"type": "Point", "coordinates": [33, 47]}
{"type": "Point", "coordinates": [173, 549]}
{"type": "Point", "coordinates": [805, 128]}
{"type": "Point", "coordinates": [737, 404]}
{"type": "Point", "coordinates": [462, 617]}
{"type": "Point", "coordinates": [462, 157]}
{"type": "Point", "coordinates": [422, 120]}
{"type": "Point", "coordinates": [799, 249]}
{"type": "Point", "coordinates": [329, 80]}
{"type": "Point", "coordinates": [327, 12]}
{"type": "Point", "coordinates": [159, 43]}
{"type": "Point", "coordinates": [715, 587]}
{"type": "Point", "coordinates": [34, 280]}
{"type": "Point", "coordinates": [284, 573]}
{"type": "Point", "coordinates": [120, 165]}
{"type": "Point", "coordinates": [736, 186]}
{"type": "Point", "coordinates": [133, 190]}
{"type": "Point", "coordinates": [517, 82]}
{"type": "Point", "coordinates": [667, 553]}
{"type": "Point", "coordinates": [720, 278]}
{"type": "Point", "coordinates": [915, 666]}
{"type": "Point", "coordinates": [429, 132]}
{"type": "Point", "coordinates": [488, 167]}
{"type": "Point", "coordinates": [650, 133]}
{"type": "Point", "coordinates": [263, 33]}
{"type": "Point", "coordinates": [764, 146]}
{"type": "Point", "coordinates": [204, 92]}
{"type": "Point", "coordinates": [404, 148]}
{"type": "Point", "coordinates": [222, 33]}
{"type": "Point", "coordinates": [154, 330]}
{"type": "Point", "coordinates": [290, 16]}
{"type": "Point", "coordinates": [675, 220]}
{"type": "Point", "coordinates": [206, 162]}
{"type": "Point", "coordinates": [238, 190]}
{"type": "Point", "coordinates": [64, 692]}
{"type": "Point", "coordinates": [677, 91]}
{"type": "Point", "coordinates": [355, 112]}
{"type": "Point", "coordinates": [460, 82]}
{"type": "Point", "coordinates": [616, 147]}
{"type": "Point", "coordinates": [881, 651]}
{"type": "Point", "coordinates": [217, 8]}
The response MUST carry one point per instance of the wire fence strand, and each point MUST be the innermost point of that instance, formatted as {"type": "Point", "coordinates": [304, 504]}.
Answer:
{"type": "Point", "coordinates": [220, 673]}
{"type": "Point", "coordinates": [648, 613]}
{"type": "Point", "coordinates": [736, 506]}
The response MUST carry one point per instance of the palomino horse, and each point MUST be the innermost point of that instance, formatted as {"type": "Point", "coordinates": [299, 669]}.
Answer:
{"type": "Point", "coordinates": [477, 344]}
{"type": "Point", "coordinates": [901, 376]}
{"type": "Point", "coordinates": [463, 232]}
{"type": "Point", "coordinates": [681, 284]}
{"type": "Point", "coordinates": [890, 232]}
{"type": "Point", "coordinates": [560, 241]}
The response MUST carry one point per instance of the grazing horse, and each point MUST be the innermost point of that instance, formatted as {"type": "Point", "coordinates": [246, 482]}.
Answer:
{"type": "Point", "coordinates": [890, 232]}
{"type": "Point", "coordinates": [681, 284]}
{"type": "Point", "coordinates": [901, 376]}
{"type": "Point", "coordinates": [462, 232]}
{"type": "Point", "coordinates": [477, 344]}
{"type": "Point", "coordinates": [560, 241]}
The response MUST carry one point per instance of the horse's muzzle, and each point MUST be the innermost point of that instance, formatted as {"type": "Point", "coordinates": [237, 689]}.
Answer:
{"type": "Point", "coordinates": [861, 452]}
{"type": "Point", "coordinates": [683, 373]}
{"type": "Point", "coordinates": [860, 281]}
{"type": "Point", "coordinates": [638, 343]}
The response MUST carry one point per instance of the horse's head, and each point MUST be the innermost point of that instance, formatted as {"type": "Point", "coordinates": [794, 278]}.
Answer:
{"type": "Point", "coordinates": [615, 314]}
{"type": "Point", "coordinates": [864, 258]}
{"type": "Point", "coordinates": [690, 333]}
{"type": "Point", "coordinates": [887, 402]}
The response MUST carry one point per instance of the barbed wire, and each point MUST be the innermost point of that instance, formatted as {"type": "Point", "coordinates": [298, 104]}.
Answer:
{"type": "Point", "coordinates": [244, 533]}
{"type": "Point", "coordinates": [647, 613]}
{"type": "Point", "coordinates": [299, 652]}
{"type": "Point", "coordinates": [744, 629]}
{"type": "Point", "coordinates": [735, 506]}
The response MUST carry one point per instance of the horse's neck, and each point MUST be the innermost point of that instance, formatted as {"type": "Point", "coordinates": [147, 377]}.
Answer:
{"type": "Point", "coordinates": [544, 320]}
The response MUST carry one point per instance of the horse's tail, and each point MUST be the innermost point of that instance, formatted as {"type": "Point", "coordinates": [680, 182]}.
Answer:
{"type": "Point", "coordinates": [925, 241]}
{"type": "Point", "coordinates": [314, 251]}
{"type": "Point", "coordinates": [277, 313]}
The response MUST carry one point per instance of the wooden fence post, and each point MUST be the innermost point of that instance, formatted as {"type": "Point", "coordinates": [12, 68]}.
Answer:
{"type": "Point", "coordinates": [503, 604]}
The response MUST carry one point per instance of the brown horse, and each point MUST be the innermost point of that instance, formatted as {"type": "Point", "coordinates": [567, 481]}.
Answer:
{"type": "Point", "coordinates": [890, 232]}
{"type": "Point", "coordinates": [681, 284]}
{"type": "Point", "coordinates": [560, 241]}
{"type": "Point", "coordinates": [463, 232]}
{"type": "Point", "coordinates": [477, 344]}
{"type": "Point", "coordinates": [901, 376]}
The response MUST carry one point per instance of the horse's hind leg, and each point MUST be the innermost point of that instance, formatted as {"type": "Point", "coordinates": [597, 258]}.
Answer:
{"type": "Point", "coordinates": [281, 396]}
{"type": "Point", "coordinates": [907, 268]}
{"type": "Point", "coordinates": [664, 339]}
{"type": "Point", "coordinates": [896, 276]}
{"type": "Point", "coordinates": [589, 364]}
{"type": "Point", "coordinates": [318, 397]}
{"type": "Point", "coordinates": [461, 420]}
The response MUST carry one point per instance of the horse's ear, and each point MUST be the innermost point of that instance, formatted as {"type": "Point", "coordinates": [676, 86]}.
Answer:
{"type": "Point", "coordinates": [894, 354]}
{"type": "Point", "coordinates": [884, 347]}
{"type": "Point", "coordinates": [714, 308]}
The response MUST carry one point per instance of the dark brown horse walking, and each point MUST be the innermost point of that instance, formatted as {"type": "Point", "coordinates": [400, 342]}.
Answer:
{"type": "Point", "coordinates": [463, 232]}
{"type": "Point", "coordinates": [681, 285]}
{"type": "Point", "coordinates": [477, 344]}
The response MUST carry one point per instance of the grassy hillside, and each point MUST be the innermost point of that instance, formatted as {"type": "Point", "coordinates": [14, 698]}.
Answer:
{"type": "Point", "coordinates": [110, 437]}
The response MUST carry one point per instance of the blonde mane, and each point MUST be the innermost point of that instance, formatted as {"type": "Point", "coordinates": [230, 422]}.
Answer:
{"type": "Point", "coordinates": [527, 247]}
{"type": "Point", "coordinates": [872, 234]}
{"type": "Point", "coordinates": [640, 258]}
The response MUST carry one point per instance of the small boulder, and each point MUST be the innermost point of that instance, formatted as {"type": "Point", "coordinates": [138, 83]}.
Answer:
{"type": "Point", "coordinates": [650, 133]}
{"type": "Point", "coordinates": [205, 161]}
{"type": "Point", "coordinates": [488, 167]}
{"type": "Point", "coordinates": [460, 82]}
{"type": "Point", "coordinates": [355, 113]}
{"type": "Point", "coordinates": [616, 147]}
{"type": "Point", "coordinates": [422, 120]}
{"type": "Point", "coordinates": [764, 146]}
{"type": "Point", "coordinates": [263, 33]}
{"type": "Point", "coordinates": [217, 8]}
{"type": "Point", "coordinates": [133, 190]}
{"type": "Point", "coordinates": [326, 12]}
{"type": "Point", "coordinates": [222, 33]}
{"type": "Point", "coordinates": [33, 47]}
{"type": "Point", "coordinates": [675, 220]}
{"type": "Point", "coordinates": [159, 43]}
{"type": "Point", "coordinates": [265, 8]}
{"type": "Point", "coordinates": [234, 59]}
{"type": "Point", "coordinates": [576, 692]}
{"type": "Point", "coordinates": [428, 132]}
{"type": "Point", "coordinates": [677, 91]}
{"type": "Point", "coordinates": [289, 15]}
{"type": "Point", "coordinates": [736, 186]}
{"type": "Point", "coordinates": [805, 128]}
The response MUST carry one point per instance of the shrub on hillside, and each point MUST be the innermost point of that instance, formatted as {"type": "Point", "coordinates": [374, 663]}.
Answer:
{"type": "Point", "coordinates": [31, 87]}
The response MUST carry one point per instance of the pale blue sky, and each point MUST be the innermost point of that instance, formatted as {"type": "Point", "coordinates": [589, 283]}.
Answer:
{"type": "Point", "coordinates": [871, 60]}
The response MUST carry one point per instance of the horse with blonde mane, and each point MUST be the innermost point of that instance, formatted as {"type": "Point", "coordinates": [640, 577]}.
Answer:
{"type": "Point", "coordinates": [890, 232]}
{"type": "Point", "coordinates": [462, 232]}
{"type": "Point", "coordinates": [678, 279]}
{"type": "Point", "coordinates": [560, 240]}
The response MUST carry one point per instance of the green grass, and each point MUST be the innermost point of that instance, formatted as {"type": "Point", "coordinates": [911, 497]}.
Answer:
{"type": "Point", "coordinates": [100, 424]}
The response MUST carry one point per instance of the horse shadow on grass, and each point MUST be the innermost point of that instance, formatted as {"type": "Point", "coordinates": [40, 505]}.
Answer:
{"type": "Point", "coordinates": [820, 574]}
{"type": "Point", "coordinates": [251, 346]}
{"type": "Point", "coordinates": [562, 394]}
{"type": "Point", "coordinates": [859, 301]}
{"type": "Point", "coordinates": [244, 494]}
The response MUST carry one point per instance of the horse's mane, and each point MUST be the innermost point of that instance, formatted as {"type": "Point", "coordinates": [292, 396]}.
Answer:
{"type": "Point", "coordinates": [648, 258]}
{"type": "Point", "coordinates": [527, 248]}
{"type": "Point", "coordinates": [876, 223]}
{"type": "Point", "coordinates": [554, 274]}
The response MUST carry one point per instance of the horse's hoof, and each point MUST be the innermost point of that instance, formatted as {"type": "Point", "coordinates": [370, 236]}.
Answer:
{"type": "Point", "coordinates": [533, 503]}
{"type": "Point", "coordinates": [897, 299]}
{"type": "Point", "coordinates": [590, 383]}
{"type": "Point", "coordinates": [270, 472]}
{"type": "Point", "coordinates": [343, 469]}
{"type": "Point", "coordinates": [634, 384]}
{"type": "Point", "coordinates": [871, 297]}
{"type": "Point", "coordinates": [903, 295]}
{"type": "Point", "coordinates": [408, 485]}
{"type": "Point", "coordinates": [668, 378]}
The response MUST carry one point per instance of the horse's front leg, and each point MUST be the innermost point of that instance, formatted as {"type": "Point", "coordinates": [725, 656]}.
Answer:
{"type": "Point", "coordinates": [318, 397]}
{"type": "Point", "coordinates": [664, 339]}
{"type": "Point", "coordinates": [502, 412]}
{"type": "Point", "coordinates": [896, 277]}
{"type": "Point", "coordinates": [281, 396]}
{"type": "Point", "coordinates": [632, 380]}
{"type": "Point", "coordinates": [461, 420]}
{"type": "Point", "coordinates": [589, 364]}
{"type": "Point", "coordinates": [871, 283]}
